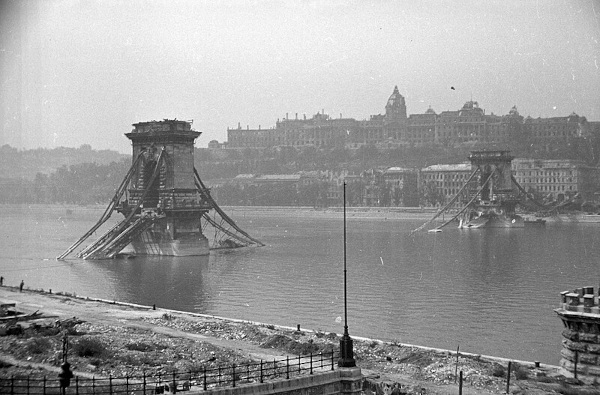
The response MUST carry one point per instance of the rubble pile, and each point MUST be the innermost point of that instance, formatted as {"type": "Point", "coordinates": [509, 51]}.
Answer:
{"type": "Point", "coordinates": [267, 336]}
{"type": "Point", "coordinates": [119, 351]}
{"type": "Point", "coordinates": [214, 328]}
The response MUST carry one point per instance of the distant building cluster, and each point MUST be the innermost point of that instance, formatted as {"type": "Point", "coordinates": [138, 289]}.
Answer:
{"type": "Point", "coordinates": [548, 180]}
{"type": "Point", "coordinates": [551, 180]}
{"type": "Point", "coordinates": [394, 129]}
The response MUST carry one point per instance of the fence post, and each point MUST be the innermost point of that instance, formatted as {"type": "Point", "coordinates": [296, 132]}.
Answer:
{"type": "Point", "coordinates": [28, 384]}
{"type": "Point", "coordinates": [321, 353]}
{"type": "Point", "coordinates": [233, 374]}
{"type": "Point", "coordinates": [311, 370]}
{"type": "Point", "coordinates": [144, 382]}
{"type": "Point", "coordinates": [508, 378]}
{"type": "Point", "coordinates": [110, 383]}
{"type": "Point", "coordinates": [219, 376]}
{"type": "Point", "coordinates": [204, 386]}
{"type": "Point", "coordinates": [174, 384]}
{"type": "Point", "coordinates": [93, 385]}
{"type": "Point", "coordinates": [127, 382]}
{"type": "Point", "coordinates": [44, 385]}
{"type": "Point", "coordinates": [456, 367]}
{"type": "Point", "coordinates": [261, 370]}
{"type": "Point", "coordinates": [76, 385]}
{"type": "Point", "coordinates": [576, 360]}
{"type": "Point", "coordinates": [287, 367]}
{"type": "Point", "coordinates": [460, 383]}
{"type": "Point", "coordinates": [332, 368]}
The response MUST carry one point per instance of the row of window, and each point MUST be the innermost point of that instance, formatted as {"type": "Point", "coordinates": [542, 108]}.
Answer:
{"type": "Point", "coordinates": [551, 173]}
{"type": "Point", "coordinates": [563, 180]}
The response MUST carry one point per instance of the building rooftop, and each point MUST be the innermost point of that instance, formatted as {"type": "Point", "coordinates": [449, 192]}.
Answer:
{"type": "Point", "coordinates": [455, 167]}
{"type": "Point", "coordinates": [398, 170]}
{"type": "Point", "coordinates": [279, 177]}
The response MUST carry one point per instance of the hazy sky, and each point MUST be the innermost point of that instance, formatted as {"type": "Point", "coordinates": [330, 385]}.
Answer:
{"type": "Point", "coordinates": [81, 72]}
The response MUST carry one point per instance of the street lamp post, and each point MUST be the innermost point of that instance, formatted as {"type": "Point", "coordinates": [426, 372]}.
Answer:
{"type": "Point", "coordinates": [65, 375]}
{"type": "Point", "coordinates": [346, 351]}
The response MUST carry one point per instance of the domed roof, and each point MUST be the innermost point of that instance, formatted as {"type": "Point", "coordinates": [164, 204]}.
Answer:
{"type": "Point", "coordinates": [395, 99]}
{"type": "Point", "coordinates": [471, 108]}
{"type": "Point", "coordinates": [430, 111]}
{"type": "Point", "coordinates": [513, 111]}
{"type": "Point", "coordinates": [470, 105]}
{"type": "Point", "coordinates": [395, 109]}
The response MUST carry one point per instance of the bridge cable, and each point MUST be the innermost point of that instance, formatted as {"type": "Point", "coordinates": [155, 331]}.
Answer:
{"type": "Point", "coordinates": [527, 194]}
{"type": "Point", "coordinates": [441, 211]}
{"type": "Point", "coordinates": [205, 192]}
{"type": "Point", "coordinates": [469, 203]}
{"type": "Point", "coordinates": [108, 212]}
{"type": "Point", "coordinates": [123, 224]}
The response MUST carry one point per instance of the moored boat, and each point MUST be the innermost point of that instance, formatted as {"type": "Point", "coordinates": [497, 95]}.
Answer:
{"type": "Point", "coordinates": [536, 221]}
{"type": "Point", "coordinates": [492, 218]}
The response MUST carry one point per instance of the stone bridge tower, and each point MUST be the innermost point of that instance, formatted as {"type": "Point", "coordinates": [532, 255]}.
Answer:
{"type": "Point", "coordinates": [163, 178]}
{"type": "Point", "coordinates": [165, 203]}
{"type": "Point", "coordinates": [494, 173]}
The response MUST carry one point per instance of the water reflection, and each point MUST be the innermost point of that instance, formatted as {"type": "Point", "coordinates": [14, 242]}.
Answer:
{"type": "Point", "coordinates": [169, 282]}
{"type": "Point", "coordinates": [494, 257]}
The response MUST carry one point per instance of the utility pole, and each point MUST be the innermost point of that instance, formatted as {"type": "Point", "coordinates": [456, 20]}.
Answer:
{"type": "Point", "coordinates": [346, 348]}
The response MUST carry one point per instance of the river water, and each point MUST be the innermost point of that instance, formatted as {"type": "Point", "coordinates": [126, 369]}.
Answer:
{"type": "Point", "coordinates": [488, 291]}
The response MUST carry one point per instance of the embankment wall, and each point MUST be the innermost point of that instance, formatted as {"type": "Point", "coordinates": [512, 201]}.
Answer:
{"type": "Point", "coordinates": [342, 381]}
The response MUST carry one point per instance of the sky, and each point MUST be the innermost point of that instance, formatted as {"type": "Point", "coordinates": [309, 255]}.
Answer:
{"type": "Point", "coordinates": [76, 72]}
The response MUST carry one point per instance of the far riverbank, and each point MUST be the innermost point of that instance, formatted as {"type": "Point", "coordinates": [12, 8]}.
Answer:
{"type": "Point", "coordinates": [358, 212]}
{"type": "Point", "coordinates": [401, 213]}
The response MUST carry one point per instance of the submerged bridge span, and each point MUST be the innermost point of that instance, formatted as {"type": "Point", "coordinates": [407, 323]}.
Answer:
{"type": "Point", "coordinates": [167, 209]}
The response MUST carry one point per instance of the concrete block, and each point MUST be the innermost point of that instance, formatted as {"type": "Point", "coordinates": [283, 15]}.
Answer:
{"type": "Point", "coordinates": [593, 348]}
{"type": "Point", "coordinates": [571, 335]}
{"type": "Point", "coordinates": [575, 346]}
{"type": "Point", "coordinates": [567, 354]}
{"type": "Point", "coordinates": [588, 370]}
{"type": "Point", "coordinates": [589, 359]}
{"type": "Point", "coordinates": [588, 337]}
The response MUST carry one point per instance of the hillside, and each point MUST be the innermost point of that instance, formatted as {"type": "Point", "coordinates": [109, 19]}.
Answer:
{"type": "Point", "coordinates": [25, 164]}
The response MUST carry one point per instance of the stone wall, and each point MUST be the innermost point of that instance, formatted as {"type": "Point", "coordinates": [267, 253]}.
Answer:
{"type": "Point", "coordinates": [342, 381]}
{"type": "Point", "coordinates": [580, 314]}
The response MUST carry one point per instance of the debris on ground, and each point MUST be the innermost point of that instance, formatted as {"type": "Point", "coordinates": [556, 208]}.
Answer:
{"type": "Point", "coordinates": [158, 344]}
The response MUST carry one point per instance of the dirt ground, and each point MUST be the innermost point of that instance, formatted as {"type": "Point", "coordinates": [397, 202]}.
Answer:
{"type": "Point", "coordinates": [138, 338]}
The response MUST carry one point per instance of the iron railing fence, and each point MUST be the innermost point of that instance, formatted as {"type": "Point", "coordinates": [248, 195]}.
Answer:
{"type": "Point", "coordinates": [176, 381]}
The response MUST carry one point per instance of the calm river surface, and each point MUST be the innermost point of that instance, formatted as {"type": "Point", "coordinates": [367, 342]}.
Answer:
{"type": "Point", "coordinates": [490, 291]}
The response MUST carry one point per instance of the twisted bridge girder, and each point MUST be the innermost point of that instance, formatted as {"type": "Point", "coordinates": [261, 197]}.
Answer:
{"type": "Point", "coordinates": [109, 210]}
{"type": "Point", "coordinates": [443, 210]}
{"type": "Point", "coordinates": [221, 221]}
{"type": "Point", "coordinates": [227, 233]}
